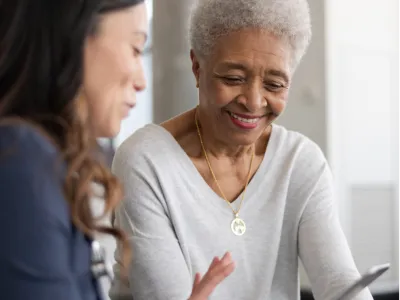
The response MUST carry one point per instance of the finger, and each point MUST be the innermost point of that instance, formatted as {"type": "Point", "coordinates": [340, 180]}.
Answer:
{"type": "Point", "coordinates": [223, 268]}
{"type": "Point", "coordinates": [226, 260]}
{"type": "Point", "coordinates": [211, 280]}
{"type": "Point", "coordinates": [218, 272]}
{"type": "Point", "coordinates": [197, 280]}
{"type": "Point", "coordinates": [198, 277]}
{"type": "Point", "coordinates": [217, 261]}
{"type": "Point", "coordinates": [214, 263]}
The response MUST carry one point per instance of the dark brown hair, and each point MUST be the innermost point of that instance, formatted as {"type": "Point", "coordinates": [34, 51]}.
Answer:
{"type": "Point", "coordinates": [41, 59]}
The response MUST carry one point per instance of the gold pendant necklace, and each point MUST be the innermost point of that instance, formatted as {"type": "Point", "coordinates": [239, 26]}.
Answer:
{"type": "Point", "coordinates": [238, 226]}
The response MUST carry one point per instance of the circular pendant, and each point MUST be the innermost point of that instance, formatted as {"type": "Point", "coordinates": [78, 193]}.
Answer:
{"type": "Point", "coordinates": [238, 226]}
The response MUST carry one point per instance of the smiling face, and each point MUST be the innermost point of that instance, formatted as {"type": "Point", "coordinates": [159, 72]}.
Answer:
{"type": "Point", "coordinates": [243, 84]}
{"type": "Point", "coordinates": [113, 70]}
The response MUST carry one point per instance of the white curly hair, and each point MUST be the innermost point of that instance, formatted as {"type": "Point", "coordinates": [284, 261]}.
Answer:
{"type": "Point", "coordinates": [287, 19]}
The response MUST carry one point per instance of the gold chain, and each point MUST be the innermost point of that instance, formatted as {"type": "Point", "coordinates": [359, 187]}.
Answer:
{"type": "Point", "coordinates": [236, 213]}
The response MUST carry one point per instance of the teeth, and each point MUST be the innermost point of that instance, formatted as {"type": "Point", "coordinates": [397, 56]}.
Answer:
{"type": "Point", "coordinates": [243, 119]}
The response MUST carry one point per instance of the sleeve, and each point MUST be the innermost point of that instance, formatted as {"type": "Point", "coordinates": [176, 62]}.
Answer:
{"type": "Point", "coordinates": [323, 247]}
{"type": "Point", "coordinates": [35, 251]}
{"type": "Point", "coordinates": [158, 270]}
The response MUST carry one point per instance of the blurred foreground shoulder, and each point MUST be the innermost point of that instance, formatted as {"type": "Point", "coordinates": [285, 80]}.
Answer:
{"type": "Point", "coordinates": [30, 168]}
{"type": "Point", "coordinates": [36, 260]}
{"type": "Point", "coordinates": [17, 139]}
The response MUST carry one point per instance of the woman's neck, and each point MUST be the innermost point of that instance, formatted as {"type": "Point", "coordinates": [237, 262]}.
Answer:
{"type": "Point", "coordinates": [218, 148]}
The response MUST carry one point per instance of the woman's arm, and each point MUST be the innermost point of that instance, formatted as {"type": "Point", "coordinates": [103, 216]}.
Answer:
{"type": "Point", "coordinates": [323, 247]}
{"type": "Point", "coordinates": [35, 253]}
{"type": "Point", "coordinates": [159, 270]}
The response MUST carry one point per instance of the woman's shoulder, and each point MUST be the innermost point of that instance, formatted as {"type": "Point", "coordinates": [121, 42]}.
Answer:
{"type": "Point", "coordinates": [23, 139]}
{"type": "Point", "coordinates": [292, 144]}
{"type": "Point", "coordinates": [151, 141]}
{"type": "Point", "coordinates": [159, 140]}
{"type": "Point", "coordinates": [31, 170]}
{"type": "Point", "coordinates": [36, 211]}
{"type": "Point", "coordinates": [302, 157]}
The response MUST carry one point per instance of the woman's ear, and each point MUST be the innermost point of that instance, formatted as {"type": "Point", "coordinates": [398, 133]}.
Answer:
{"type": "Point", "coordinates": [195, 67]}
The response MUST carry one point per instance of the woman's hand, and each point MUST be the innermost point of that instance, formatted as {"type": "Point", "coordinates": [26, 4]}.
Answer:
{"type": "Point", "coordinates": [219, 269]}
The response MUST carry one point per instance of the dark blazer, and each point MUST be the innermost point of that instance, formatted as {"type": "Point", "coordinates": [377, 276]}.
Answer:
{"type": "Point", "coordinates": [42, 254]}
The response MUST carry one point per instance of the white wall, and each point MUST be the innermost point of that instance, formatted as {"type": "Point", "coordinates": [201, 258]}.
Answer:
{"type": "Point", "coordinates": [174, 84]}
{"type": "Point", "coordinates": [362, 38]}
{"type": "Point", "coordinates": [306, 109]}
{"type": "Point", "coordinates": [362, 77]}
{"type": "Point", "coordinates": [396, 150]}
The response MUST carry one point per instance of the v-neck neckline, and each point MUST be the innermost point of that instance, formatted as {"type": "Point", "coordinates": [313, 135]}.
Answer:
{"type": "Point", "coordinates": [203, 186]}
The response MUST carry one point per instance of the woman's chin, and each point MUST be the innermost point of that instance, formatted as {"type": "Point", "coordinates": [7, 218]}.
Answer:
{"type": "Point", "coordinates": [108, 131]}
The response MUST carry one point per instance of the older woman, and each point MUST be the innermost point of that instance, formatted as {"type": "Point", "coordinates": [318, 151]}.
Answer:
{"type": "Point", "coordinates": [223, 177]}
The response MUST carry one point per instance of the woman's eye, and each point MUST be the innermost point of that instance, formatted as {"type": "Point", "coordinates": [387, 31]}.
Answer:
{"type": "Point", "coordinates": [233, 80]}
{"type": "Point", "coordinates": [274, 87]}
{"type": "Point", "coordinates": [137, 51]}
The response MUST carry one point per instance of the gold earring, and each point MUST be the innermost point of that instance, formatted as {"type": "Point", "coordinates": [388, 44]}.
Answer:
{"type": "Point", "coordinates": [197, 84]}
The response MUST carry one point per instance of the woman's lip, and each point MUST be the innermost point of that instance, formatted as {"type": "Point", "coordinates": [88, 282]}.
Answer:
{"type": "Point", "coordinates": [127, 108]}
{"type": "Point", "coordinates": [130, 105]}
{"type": "Point", "coordinates": [244, 125]}
{"type": "Point", "coordinates": [246, 116]}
